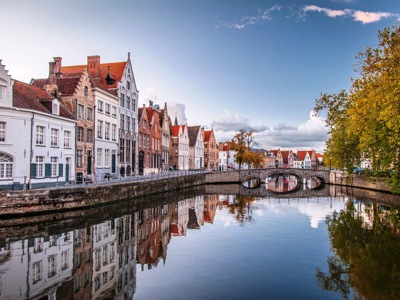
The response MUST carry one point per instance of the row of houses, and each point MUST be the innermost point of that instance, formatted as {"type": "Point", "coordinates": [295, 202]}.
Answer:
{"type": "Point", "coordinates": [83, 123]}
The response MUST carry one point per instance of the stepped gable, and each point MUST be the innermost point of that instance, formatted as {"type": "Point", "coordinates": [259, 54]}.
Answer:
{"type": "Point", "coordinates": [193, 132]}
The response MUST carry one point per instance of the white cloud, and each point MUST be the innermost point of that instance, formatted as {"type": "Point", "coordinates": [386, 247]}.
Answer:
{"type": "Point", "coordinates": [177, 110]}
{"type": "Point", "coordinates": [310, 134]}
{"type": "Point", "coordinates": [262, 17]}
{"type": "Point", "coordinates": [357, 15]}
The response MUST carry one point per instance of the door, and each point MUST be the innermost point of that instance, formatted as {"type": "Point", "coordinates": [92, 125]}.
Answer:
{"type": "Point", "coordinates": [113, 163]}
{"type": "Point", "coordinates": [141, 162]}
{"type": "Point", "coordinates": [89, 163]}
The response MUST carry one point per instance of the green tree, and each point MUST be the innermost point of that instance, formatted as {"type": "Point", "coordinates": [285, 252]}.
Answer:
{"type": "Point", "coordinates": [365, 122]}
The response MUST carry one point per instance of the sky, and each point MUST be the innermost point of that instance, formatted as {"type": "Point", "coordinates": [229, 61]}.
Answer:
{"type": "Point", "coordinates": [222, 64]}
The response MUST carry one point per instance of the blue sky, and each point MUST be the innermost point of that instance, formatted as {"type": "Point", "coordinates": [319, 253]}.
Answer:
{"type": "Point", "coordinates": [223, 64]}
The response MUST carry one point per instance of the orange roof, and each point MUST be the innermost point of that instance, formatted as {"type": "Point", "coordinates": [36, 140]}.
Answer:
{"type": "Point", "coordinates": [207, 135]}
{"type": "Point", "coordinates": [275, 152]}
{"type": "Point", "coordinates": [175, 130]}
{"type": "Point", "coordinates": [302, 154]}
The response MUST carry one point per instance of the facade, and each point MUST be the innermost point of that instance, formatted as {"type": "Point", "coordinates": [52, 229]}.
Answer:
{"type": "Point", "coordinates": [74, 91]}
{"type": "Point", "coordinates": [210, 150]}
{"type": "Point", "coordinates": [144, 142]}
{"type": "Point", "coordinates": [153, 116]}
{"type": "Point", "coordinates": [223, 156]}
{"type": "Point", "coordinates": [179, 147]}
{"type": "Point", "coordinates": [196, 148]}
{"type": "Point", "coordinates": [165, 123]}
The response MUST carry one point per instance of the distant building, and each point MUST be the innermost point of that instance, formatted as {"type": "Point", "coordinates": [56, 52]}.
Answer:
{"type": "Point", "coordinates": [196, 148]}
{"type": "Point", "coordinates": [210, 150]}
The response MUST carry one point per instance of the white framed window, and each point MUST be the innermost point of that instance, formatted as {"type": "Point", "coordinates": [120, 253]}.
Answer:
{"type": "Point", "coordinates": [122, 121]}
{"type": "Point", "coordinates": [108, 110]}
{"type": "Point", "coordinates": [2, 132]}
{"type": "Point", "coordinates": [67, 139]}
{"type": "Point", "coordinates": [79, 158]}
{"type": "Point", "coordinates": [6, 166]}
{"type": "Point", "coordinates": [54, 166]}
{"type": "Point", "coordinates": [52, 259]}
{"type": "Point", "coordinates": [114, 111]}
{"type": "Point", "coordinates": [89, 136]}
{"type": "Point", "coordinates": [89, 114]}
{"type": "Point", "coordinates": [54, 137]}
{"type": "Point", "coordinates": [39, 166]}
{"type": "Point", "coordinates": [79, 134]}
{"type": "Point", "coordinates": [80, 112]}
{"type": "Point", "coordinates": [55, 108]}
{"type": "Point", "coordinates": [107, 131]}
{"type": "Point", "coordinates": [100, 106]}
{"type": "Point", "coordinates": [100, 129]}
{"type": "Point", "coordinates": [106, 157]}
{"type": "Point", "coordinates": [40, 130]}
{"type": "Point", "coordinates": [37, 271]}
{"type": "Point", "coordinates": [99, 157]}
{"type": "Point", "coordinates": [114, 132]}
{"type": "Point", "coordinates": [64, 260]}
{"type": "Point", "coordinates": [2, 93]}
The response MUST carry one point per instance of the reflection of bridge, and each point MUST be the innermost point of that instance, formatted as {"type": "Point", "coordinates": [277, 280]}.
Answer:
{"type": "Point", "coordinates": [262, 191]}
{"type": "Point", "coordinates": [301, 174]}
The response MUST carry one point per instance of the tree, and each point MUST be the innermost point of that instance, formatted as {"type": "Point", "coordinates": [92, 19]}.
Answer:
{"type": "Point", "coordinates": [242, 143]}
{"type": "Point", "coordinates": [365, 122]}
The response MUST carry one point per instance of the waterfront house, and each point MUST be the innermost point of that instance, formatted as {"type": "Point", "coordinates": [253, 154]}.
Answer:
{"type": "Point", "coordinates": [196, 148]}
{"type": "Point", "coordinates": [144, 141]}
{"type": "Point", "coordinates": [223, 156]}
{"type": "Point", "coordinates": [277, 157]}
{"type": "Point", "coordinates": [74, 91]}
{"type": "Point", "coordinates": [179, 147]}
{"type": "Point", "coordinates": [165, 123]}
{"type": "Point", "coordinates": [210, 150]}
{"type": "Point", "coordinates": [153, 117]}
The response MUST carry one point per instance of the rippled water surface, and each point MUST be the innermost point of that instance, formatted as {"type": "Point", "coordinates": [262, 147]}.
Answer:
{"type": "Point", "coordinates": [206, 247]}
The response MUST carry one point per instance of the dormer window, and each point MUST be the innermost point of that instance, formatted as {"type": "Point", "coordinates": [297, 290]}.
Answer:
{"type": "Point", "coordinates": [55, 109]}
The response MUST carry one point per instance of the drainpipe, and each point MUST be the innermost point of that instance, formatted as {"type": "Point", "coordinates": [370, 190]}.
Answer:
{"type": "Point", "coordinates": [31, 151]}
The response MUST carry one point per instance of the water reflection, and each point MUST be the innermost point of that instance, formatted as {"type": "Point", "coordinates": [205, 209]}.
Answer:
{"type": "Point", "coordinates": [104, 260]}
{"type": "Point", "coordinates": [290, 183]}
{"type": "Point", "coordinates": [366, 243]}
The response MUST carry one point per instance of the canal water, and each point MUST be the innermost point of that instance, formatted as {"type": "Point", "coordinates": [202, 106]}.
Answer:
{"type": "Point", "coordinates": [206, 246]}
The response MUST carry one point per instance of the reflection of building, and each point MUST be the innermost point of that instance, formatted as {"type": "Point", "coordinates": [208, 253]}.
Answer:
{"type": "Point", "coordinates": [36, 267]}
{"type": "Point", "coordinates": [180, 218]}
{"type": "Point", "coordinates": [282, 184]}
{"type": "Point", "coordinates": [104, 259]}
{"type": "Point", "coordinates": [210, 208]}
{"type": "Point", "coordinates": [126, 252]}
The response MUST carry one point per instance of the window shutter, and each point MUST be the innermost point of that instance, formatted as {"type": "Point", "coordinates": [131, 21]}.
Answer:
{"type": "Point", "coordinates": [60, 170]}
{"type": "Point", "coordinates": [47, 170]}
{"type": "Point", "coordinates": [33, 170]}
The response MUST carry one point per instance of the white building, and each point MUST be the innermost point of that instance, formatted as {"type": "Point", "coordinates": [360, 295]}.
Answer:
{"type": "Point", "coordinates": [196, 148]}
{"type": "Point", "coordinates": [37, 137]}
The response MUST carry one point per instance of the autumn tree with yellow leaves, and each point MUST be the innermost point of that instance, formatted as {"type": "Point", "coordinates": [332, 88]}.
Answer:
{"type": "Point", "coordinates": [364, 123]}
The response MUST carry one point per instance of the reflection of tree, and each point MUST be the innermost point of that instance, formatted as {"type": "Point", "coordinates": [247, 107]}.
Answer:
{"type": "Point", "coordinates": [241, 208]}
{"type": "Point", "coordinates": [367, 245]}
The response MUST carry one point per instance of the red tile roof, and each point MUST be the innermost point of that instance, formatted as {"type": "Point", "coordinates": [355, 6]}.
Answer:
{"type": "Point", "coordinates": [207, 135]}
{"type": "Point", "coordinates": [175, 130]}
{"type": "Point", "coordinates": [302, 154]}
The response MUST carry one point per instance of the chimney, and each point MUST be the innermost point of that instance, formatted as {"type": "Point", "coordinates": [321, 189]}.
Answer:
{"type": "Point", "coordinates": [52, 76]}
{"type": "Point", "coordinates": [150, 103]}
{"type": "Point", "coordinates": [93, 65]}
{"type": "Point", "coordinates": [57, 66]}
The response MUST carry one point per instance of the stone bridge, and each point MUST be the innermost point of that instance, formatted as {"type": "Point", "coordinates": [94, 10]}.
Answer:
{"type": "Point", "coordinates": [301, 174]}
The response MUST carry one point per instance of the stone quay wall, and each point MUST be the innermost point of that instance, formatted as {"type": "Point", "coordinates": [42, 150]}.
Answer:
{"type": "Point", "coordinates": [357, 181]}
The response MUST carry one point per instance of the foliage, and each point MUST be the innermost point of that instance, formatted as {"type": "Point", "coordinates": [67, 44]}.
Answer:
{"type": "Point", "coordinates": [365, 122]}
{"type": "Point", "coordinates": [242, 143]}
{"type": "Point", "coordinates": [366, 247]}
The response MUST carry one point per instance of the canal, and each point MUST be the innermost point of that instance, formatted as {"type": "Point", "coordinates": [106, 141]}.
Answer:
{"type": "Point", "coordinates": [199, 244]}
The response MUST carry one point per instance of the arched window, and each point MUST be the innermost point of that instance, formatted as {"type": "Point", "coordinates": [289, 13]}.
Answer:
{"type": "Point", "coordinates": [85, 91]}
{"type": "Point", "coordinates": [6, 166]}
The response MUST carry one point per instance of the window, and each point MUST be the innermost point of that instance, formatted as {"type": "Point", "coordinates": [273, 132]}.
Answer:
{"type": "Point", "coordinates": [2, 131]}
{"type": "Point", "coordinates": [122, 102]}
{"type": "Point", "coordinates": [89, 136]}
{"type": "Point", "coordinates": [79, 158]}
{"type": "Point", "coordinates": [54, 166]}
{"type": "Point", "coordinates": [85, 91]}
{"type": "Point", "coordinates": [37, 271]}
{"type": "Point", "coordinates": [89, 114]}
{"type": "Point", "coordinates": [106, 157]}
{"type": "Point", "coordinates": [114, 111]}
{"type": "Point", "coordinates": [128, 103]}
{"type": "Point", "coordinates": [128, 85]}
{"type": "Point", "coordinates": [107, 108]}
{"type": "Point", "coordinates": [64, 260]}
{"type": "Point", "coordinates": [128, 125]}
{"type": "Point", "coordinates": [122, 121]}
{"type": "Point", "coordinates": [67, 139]}
{"type": "Point", "coordinates": [6, 166]}
{"type": "Point", "coordinates": [2, 93]}
{"type": "Point", "coordinates": [39, 135]}
{"type": "Point", "coordinates": [79, 134]}
{"type": "Point", "coordinates": [55, 108]}
{"type": "Point", "coordinates": [114, 132]}
{"type": "Point", "coordinates": [100, 129]}
{"type": "Point", "coordinates": [100, 106]}
{"type": "Point", "coordinates": [54, 137]}
{"type": "Point", "coordinates": [52, 265]}
{"type": "Point", "coordinates": [80, 112]}
{"type": "Point", "coordinates": [39, 166]}
{"type": "Point", "coordinates": [107, 131]}
{"type": "Point", "coordinates": [99, 157]}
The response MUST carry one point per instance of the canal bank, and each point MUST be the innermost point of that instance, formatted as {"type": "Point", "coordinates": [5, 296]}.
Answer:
{"type": "Point", "coordinates": [66, 198]}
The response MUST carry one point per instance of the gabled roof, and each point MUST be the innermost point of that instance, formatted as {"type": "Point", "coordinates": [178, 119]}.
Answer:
{"type": "Point", "coordinates": [175, 130]}
{"type": "Point", "coordinates": [207, 135]}
{"type": "Point", "coordinates": [149, 112]}
{"type": "Point", "coordinates": [193, 132]}
{"type": "Point", "coordinates": [302, 154]}
{"type": "Point", "coordinates": [65, 85]}
{"type": "Point", "coordinates": [27, 96]}
{"type": "Point", "coordinates": [275, 152]}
